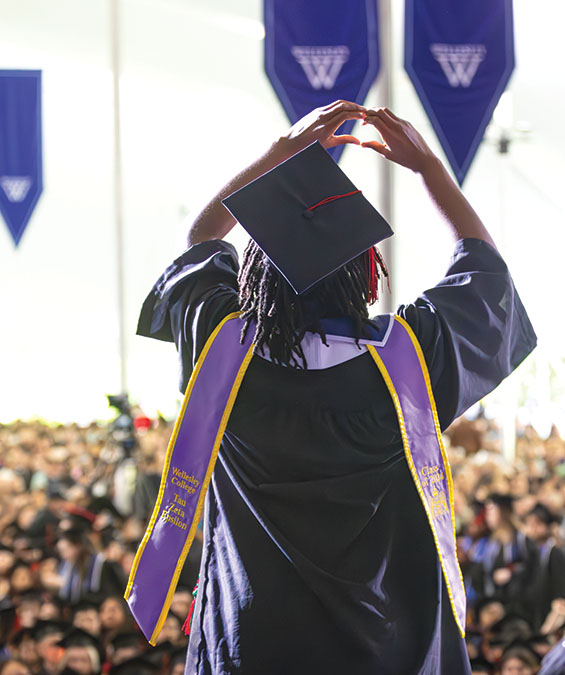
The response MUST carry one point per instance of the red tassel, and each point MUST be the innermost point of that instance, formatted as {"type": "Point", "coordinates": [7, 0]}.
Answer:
{"type": "Point", "coordinates": [187, 625]}
{"type": "Point", "coordinates": [373, 277]}
{"type": "Point", "coordinates": [375, 267]}
{"type": "Point", "coordinates": [188, 622]}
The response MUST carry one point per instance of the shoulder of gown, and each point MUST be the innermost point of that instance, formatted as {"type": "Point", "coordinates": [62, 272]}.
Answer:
{"type": "Point", "coordinates": [472, 326]}
{"type": "Point", "coordinates": [190, 299]}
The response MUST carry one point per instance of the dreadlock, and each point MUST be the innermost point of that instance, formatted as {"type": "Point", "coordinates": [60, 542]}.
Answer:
{"type": "Point", "coordinates": [282, 318]}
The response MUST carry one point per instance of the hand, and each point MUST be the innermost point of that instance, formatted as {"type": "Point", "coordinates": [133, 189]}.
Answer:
{"type": "Point", "coordinates": [558, 606]}
{"type": "Point", "coordinates": [321, 125]}
{"type": "Point", "coordinates": [555, 619]}
{"type": "Point", "coordinates": [502, 576]}
{"type": "Point", "coordinates": [401, 144]}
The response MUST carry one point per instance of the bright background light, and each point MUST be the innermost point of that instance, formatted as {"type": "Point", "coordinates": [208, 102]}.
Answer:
{"type": "Point", "coordinates": [196, 107]}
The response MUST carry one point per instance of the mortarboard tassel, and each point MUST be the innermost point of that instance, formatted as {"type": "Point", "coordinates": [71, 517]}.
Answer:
{"type": "Point", "coordinates": [375, 262]}
{"type": "Point", "coordinates": [372, 277]}
{"type": "Point", "coordinates": [187, 625]}
{"type": "Point", "coordinates": [382, 265]}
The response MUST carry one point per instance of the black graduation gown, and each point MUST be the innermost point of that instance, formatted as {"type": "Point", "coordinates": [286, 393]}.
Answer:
{"type": "Point", "coordinates": [550, 580]}
{"type": "Point", "coordinates": [317, 555]}
{"type": "Point", "coordinates": [521, 556]}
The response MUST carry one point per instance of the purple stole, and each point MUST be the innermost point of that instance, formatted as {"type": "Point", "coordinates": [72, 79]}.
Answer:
{"type": "Point", "coordinates": [194, 445]}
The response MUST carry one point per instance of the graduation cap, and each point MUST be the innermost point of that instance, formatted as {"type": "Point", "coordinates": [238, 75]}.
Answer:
{"type": "Point", "coordinates": [124, 640]}
{"type": "Point", "coordinates": [481, 665]}
{"type": "Point", "coordinates": [503, 501]}
{"type": "Point", "coordinates": [76, 637]}
{"type": "Point", "coordinates": [542, 513]}
{"type": "Point", "coordinates": [307, 217]}
{"type": "Point", "coordinates": [160, 654]}
{"type": "Point", "coordinates": [90, 602]}
{"type": "Point", "coordinates": [77, 520]}
{"type": "Point", "coordinates": [136, 666]}
{"type": "Point", "coordinates": [32, 595]}
{"type": "Point", "coordinates": [44, 629]}
{"type": "Point", "coordinates": [74, 527]}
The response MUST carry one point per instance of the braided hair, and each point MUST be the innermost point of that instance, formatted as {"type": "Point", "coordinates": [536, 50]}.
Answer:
{"type": "Point", "coordinates": [282, 317]}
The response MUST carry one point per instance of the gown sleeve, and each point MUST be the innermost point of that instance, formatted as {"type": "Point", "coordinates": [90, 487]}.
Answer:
{"type": "Point", "coordinates": [190, 299]}
{"type": "Point", "coordinates": [472, 326]}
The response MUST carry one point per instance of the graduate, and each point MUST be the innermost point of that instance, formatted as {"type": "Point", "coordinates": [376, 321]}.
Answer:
{"type": "Point", "coordinates": [328, 524]}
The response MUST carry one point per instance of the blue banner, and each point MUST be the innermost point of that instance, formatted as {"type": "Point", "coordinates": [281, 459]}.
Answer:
{"type": "Point", "coordinates": [459, 57]}
{"type": "Point", "coordinates": [320, 51]}
{"type": "Point", "coordinates": [21, 170]}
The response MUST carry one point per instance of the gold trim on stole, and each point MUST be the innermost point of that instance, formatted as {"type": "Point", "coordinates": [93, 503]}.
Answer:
{"type": "Point", "coordinates": [205, 483]}
{"type": "Point", "coordinates": [392, 390]}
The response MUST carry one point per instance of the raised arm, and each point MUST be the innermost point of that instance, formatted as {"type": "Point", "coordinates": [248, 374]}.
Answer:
{"type": "Point", "coordinates": [403, 145]}
{"type": "Point", "coordinates": [215, 221]}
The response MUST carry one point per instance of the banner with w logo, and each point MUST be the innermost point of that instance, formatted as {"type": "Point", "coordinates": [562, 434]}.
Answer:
{"type": "Point", "coordinates": [459, 56]}
{"type": "Point", "coordinates": [319, 51]}
{"type": "Point", "coordinates": [21, 170]}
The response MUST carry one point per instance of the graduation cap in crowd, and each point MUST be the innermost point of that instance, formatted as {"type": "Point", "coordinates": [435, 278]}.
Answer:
{"type": "Point", "coordinates": [160, 654]}
{"type": "Point", "coordinates": [126, 640]}
{"type": "Point", "coordinates": [90, 602]}
{"type": "Point", "coordinates": [76, 637]}
{"type": "Point", "coordinates": [44, 629]}
{"type": "Point", "coordinates": [308, 217]}
{"type": "Point", "coordinates": [139, 665]}
{"type": "Point", "coordinates": [99, 504]}
{"type": "Point", "coordinates": [74, 527]}
{"type": "Point", "coordinates": [542, 513]}
{"type": "Point", "coordinates": [78, 518]}
{"type": "Point", "coordinates": [31, 596]}
{"type": "Point", "coordinates": [481, 666]}
{"type": "Point", "coordinates": [503, 501]}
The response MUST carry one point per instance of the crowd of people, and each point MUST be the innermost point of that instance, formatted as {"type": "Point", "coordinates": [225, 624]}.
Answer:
{"type": "Point", "coordinates": [74, 503]}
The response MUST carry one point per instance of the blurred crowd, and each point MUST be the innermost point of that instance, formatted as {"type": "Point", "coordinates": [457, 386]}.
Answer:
{"type": "Point", "coordinates": [510, 519]}
{"type": "Point", "coordinates": [74, 503]}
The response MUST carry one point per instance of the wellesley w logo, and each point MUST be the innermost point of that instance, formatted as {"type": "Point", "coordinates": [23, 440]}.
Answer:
{"type": "Point", "coordinates": [321, 65]}
{"type": "Point", "coordinates": [15, 187]}
{"type": "Point", "coordinates": [459, 62]}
